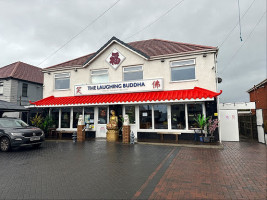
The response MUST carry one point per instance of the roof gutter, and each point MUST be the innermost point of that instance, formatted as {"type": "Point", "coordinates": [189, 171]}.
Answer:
{"type": "Point", "coordinates": [62, 68]}
{"type": "Point", "coordinates": [165, 56]}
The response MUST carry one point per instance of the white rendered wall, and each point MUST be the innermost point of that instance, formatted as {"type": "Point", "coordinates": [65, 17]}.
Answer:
{"type": "Point", "coordinates": [205, 72]}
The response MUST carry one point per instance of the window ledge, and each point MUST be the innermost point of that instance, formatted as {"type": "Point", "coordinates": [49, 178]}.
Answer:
{"type": "Point", "coordinates": [61, 89]}
{"type": "Point", "coordinates": [191, 80]}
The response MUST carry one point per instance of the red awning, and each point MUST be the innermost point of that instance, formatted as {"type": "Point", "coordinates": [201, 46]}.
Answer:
{"type": "Point", "coordinates": [139, 97]}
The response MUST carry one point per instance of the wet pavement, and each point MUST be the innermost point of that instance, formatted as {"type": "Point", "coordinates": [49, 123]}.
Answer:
{"type": "Point", "coordinates": [101, 170]}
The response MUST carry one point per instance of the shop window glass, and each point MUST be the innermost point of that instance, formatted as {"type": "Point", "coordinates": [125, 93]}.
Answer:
{"type": "Point", "coordinates": [99, 76]}
{"type": "Point", "coordinates": [160, 116]}
{"type": "Point", "coordinates": [178, 116]}
{"type": "Point", "coordinates": [77, 111]}
{"type": "Point", "coordinates": [183, 70]}
{"type": "Point", "coordinates": [193, 111]}
{"type": "Point", "coordinates": [130, 111]}
{"type": "Point", "coordinates": [133, 73]}
{"type": "Point", "coordinates": [145, 116]}
{"type": "Point", "coordinates": [65, 117]}
{"type": "Point", "coordinates": [62, 81]}
{"type": "Point", "coordinates": [102, 115]}
{"type": "Point", "coordinates": [55, 116]}
{"type": "Point", "coordinates": [89, 115]}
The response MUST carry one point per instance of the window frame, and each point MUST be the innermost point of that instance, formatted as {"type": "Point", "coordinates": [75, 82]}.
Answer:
{"type": "Point", "coordinates": [64, 77]}
{"type": "Point", "coordinates": [22, 90]}
{"type": "Point", "coordinates": [185, 130]}
{"type": "Point", "coordinates": [184, 65]}
{"type": "Point", "coordinates": [124, 113]}
{"type": "Point", "coordinates": [142, 69]}
{"type": "Point", "coordinates": [2, 87]}
{"type": "Point", "coordinates": [93, 70]}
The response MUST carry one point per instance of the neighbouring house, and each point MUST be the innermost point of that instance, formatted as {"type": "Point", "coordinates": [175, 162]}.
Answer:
{"type": "Point", "coordinates": [258, 94]}
{"type": "Point", "coordinates": [21, 83]}
{"type": "Point", "coordinates": [162, 86]}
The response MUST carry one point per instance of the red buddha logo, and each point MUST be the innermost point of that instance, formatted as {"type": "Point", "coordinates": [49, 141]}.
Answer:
{"type": "Point", "coordinates": [78, 90]}
{"type": "Point", "coordinates": [114, 59]}
{"type": "Point", "coordinates": [156, 84]}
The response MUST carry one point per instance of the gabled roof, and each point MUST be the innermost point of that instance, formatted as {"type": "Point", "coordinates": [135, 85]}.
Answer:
{"type": "Point", "coordinates": [146, 48]}
{"type": "Point", "coordinates": [258, 85]}
{"type": "Point", "coordinates": [22, 71]}
{"type": "Point", "coordinates": [138, 97]}
{"type": "Point", "coordinates": [111, 41]}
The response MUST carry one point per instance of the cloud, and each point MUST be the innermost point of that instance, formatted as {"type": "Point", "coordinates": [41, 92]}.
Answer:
{"type": "Point", "coordinates": [32, 30]}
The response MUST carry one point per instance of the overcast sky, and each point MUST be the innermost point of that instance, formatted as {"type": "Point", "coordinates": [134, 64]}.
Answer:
{"type": "Point", "coordinates": [30, 30]}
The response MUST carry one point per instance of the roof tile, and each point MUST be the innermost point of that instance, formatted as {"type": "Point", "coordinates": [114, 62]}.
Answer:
{"type": "Point", "coordinates": [152, 47]}
{"type": "Point", "coordinates": [196, 93]}
{"type": "Point", "coordinates": [22, 71]}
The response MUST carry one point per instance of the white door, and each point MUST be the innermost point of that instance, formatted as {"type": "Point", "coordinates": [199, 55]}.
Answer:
{"type": "Point", "coordinates": [229, 125]}
{"type": "Point", "coordinates": [101, 119]}
{"type": "Point", "coordinates": [259, 121]}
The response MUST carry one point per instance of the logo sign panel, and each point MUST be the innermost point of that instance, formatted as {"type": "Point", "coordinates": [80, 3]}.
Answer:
{"type": "Point", "coordinates": [119, 87]}
{"type": "Point", "coordinates": [115, 58]}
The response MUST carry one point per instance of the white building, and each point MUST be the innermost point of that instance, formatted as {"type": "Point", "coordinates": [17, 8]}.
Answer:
{"type": "Point", "coordinates": [161, 85]}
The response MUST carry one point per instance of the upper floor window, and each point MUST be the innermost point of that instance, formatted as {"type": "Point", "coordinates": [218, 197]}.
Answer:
{"type": "Point", "coordinates": [1, 87]}
{"type": "Point", "coordinates": [99, 76]}
{"type": "Point", "coordinates": [133, 73]}
{"type": "Point", "coordinates": [183, 70]}
{"type": "Point", "coordinates": [24, 89]}
{"type": "Point", "coordinates": [62, 81]}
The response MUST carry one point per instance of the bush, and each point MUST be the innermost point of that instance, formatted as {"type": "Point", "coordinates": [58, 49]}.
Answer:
{"type": "Point", "coordinates": [37, 120]}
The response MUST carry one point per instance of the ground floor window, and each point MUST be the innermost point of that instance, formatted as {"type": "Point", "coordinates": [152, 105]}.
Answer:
{"type": "Point", "coordinates": [193, 111]}
{"type": "Point", "coordinates": [145, 116]}
{"type": "Point", "coordinates": [89, 115]}
{"type": "Point", "coordinates": [55, 116]}
{"type": "Point", "coordinates": [178, 116]}
{"type": "Point", "coordinates": [182, 116]}
{"type": "Point", "coordinates": [130, 111]}
{"type": "Point", "coordinates": [175, 116]}
{"type": "Point", "coordinates": [102, 115]}
{"type": "Point", "coordinates": [160, 116]}
{"type": "Point", "coordinates": [77, 111]}
{"type": "Point", "coordinates": [65, 117]}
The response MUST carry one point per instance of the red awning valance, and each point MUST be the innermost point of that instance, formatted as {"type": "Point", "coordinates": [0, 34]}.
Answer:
{"type": "Point", "coordinates": [139, 97]}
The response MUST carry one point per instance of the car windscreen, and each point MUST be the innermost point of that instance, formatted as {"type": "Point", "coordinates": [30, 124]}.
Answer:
{"type": "Point", "coordinates": [12, 123]}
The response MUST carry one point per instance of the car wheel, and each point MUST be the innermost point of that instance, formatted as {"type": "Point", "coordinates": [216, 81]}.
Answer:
{"type": "Point", "coordinates": [4, 144]}
{"type": "Point", "coordinates": [36, 145]}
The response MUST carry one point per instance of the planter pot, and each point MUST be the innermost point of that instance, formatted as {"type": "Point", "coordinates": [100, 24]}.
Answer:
{"type": "Point", "coordinates": [201, 138]}
{"type": "Point", "coordinates": [212, 139]}
{"type": "Point", "coordinates": [207, 139]}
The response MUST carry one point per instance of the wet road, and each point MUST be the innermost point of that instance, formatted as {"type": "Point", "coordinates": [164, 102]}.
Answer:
{"type": "Point", "coordinates": [101, 170]}
{"type": "Point", "coordinates": [94, 169]}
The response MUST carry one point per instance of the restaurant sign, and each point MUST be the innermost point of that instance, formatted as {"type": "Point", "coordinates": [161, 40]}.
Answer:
{"type": "Point", "coordinates": [120, 87]}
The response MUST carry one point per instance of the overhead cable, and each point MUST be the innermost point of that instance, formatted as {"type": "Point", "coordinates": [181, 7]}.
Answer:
{"type": "Point", "coordinates": [228, 35]}
{"type": "Point", "coordinates": [244, 42]}
{"type": "Point", "coordinates": [153, 22]}
{"type": "Point", "coordinates": [92, 22]}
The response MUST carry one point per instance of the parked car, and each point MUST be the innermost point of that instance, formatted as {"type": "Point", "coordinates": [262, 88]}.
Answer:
{"type": "Point", "coordinates": [16, 133]}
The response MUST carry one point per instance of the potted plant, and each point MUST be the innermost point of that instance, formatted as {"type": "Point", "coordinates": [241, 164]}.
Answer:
{"type": "Point", "coordinates": [202, 121]}
{"type": "Point", "coordinates": [212, 125]}
{"type": "Point", "coordinates": [47, 124]}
